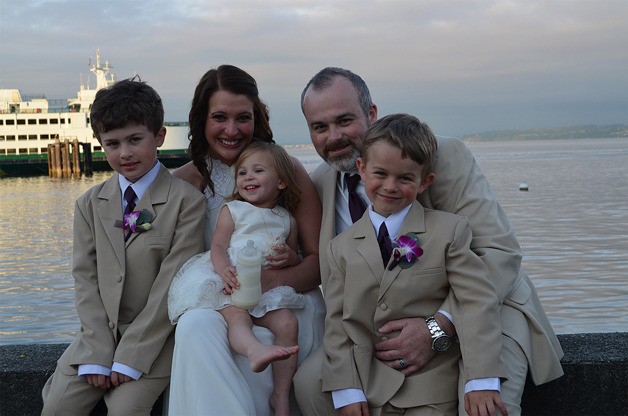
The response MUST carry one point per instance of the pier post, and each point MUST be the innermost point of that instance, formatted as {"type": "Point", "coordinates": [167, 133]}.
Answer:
{"type": "Point", "coordinates": [57, 159]}
{"type": "Point", "coordinates": [76, 158]}
{"type": "Point", "coordinates": [50, 159]}
{"type": "Point", "coordinates": [65, 158]}
{"type": "Point", "coordinates": [87, 159]}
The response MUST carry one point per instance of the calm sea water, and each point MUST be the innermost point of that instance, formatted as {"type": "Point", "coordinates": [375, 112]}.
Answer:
{"type": "Point", "coordinates": [572, 224]}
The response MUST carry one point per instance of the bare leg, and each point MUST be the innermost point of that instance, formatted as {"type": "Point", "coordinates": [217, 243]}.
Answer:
{"type": "Point", "coordinates": [244, 342]}
{"type": "Point", "coordinates": [285, 326]}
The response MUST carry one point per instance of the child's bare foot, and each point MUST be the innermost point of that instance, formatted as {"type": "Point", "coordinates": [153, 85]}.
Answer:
{"type": "Point", "coordinates": [280, 405]}
{"type": "Point", "coordinates": [260, 358]}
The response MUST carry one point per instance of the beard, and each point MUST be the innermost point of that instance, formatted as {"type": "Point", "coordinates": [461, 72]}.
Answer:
{"type": "Point", "coordinates": [344, 163]}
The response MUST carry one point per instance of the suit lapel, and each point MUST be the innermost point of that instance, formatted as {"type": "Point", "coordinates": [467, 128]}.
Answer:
{"type": "Point", "coordinates": [367, 246]}
{"type": "Point", "coordinates": [413, 223]}
{"type": "Point", "coordinates": [329, 207]}
{"type": "Point", "coordinates": [110, 211]}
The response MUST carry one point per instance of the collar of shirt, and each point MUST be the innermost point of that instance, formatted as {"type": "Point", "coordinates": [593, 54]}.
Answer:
{"type": "Point", "coordinates": [393, 221]}
{"type": "Point", "coordinates": [141, 186]}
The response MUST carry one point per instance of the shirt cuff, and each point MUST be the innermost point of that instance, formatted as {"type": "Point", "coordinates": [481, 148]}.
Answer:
{"type": "Point", "coordinates": [126, 370]}
{"type": "Point", "coordinates": [344, 397]}
{"type": "Point", "coordinates": [447, 315]}
{"type": "Point", "coordinates": [85, 369]}
{"type": "Point", "coordinates": [477, 384]}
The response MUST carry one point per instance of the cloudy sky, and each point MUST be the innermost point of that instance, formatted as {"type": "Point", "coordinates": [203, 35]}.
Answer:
{"type": "Point", "coordinates": [462, 66]}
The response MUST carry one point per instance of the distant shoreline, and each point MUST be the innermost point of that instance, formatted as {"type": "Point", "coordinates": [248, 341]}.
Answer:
{"type": "Point", "coordinates": [614, 131]}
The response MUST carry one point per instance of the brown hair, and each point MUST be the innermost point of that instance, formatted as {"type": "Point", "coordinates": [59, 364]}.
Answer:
{"type": "Point", "coordinates": [127, 101]}
{"type": "Point", "coordinates": [236, 81]}
{"type": "Point", "coordinates": [414, 138]}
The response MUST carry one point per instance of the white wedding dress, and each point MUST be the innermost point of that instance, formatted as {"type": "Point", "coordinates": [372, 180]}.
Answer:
{"type": "Point", "coordinates": [208, 378]}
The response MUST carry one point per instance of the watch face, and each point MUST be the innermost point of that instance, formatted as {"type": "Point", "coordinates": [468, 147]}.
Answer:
{"type": "Point", "coordinates": [441, 344]}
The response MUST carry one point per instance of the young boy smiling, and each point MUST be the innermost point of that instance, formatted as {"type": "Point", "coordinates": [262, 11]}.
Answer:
{"type": "Point", "coordinates": [375, 278]}
{"type": "Point", "coordinates": [122, 269]}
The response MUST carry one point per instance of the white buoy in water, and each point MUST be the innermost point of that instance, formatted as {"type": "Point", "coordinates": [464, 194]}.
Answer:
{"type": "Point", "coordinates": [523, 186]}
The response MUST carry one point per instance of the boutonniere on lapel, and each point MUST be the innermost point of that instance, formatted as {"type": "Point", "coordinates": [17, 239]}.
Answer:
{"type": "Point", "coordinates": [136, 221]}
{"type": "Point", "coordinates": [406, 251]}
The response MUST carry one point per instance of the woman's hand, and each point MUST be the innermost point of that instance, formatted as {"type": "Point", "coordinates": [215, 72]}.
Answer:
{"type": "Point", "coordinates": [283, 256]}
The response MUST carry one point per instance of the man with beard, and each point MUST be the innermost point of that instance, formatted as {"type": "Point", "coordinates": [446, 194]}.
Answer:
{"type": "Point", "coordinates": [338, 109]}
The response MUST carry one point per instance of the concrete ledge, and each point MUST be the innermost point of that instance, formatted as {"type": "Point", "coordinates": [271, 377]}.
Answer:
{"type": "Point", "coordinates": [595, 380]}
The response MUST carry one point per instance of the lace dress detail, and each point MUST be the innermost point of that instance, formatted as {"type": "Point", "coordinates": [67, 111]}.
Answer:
{"type": "Point", "coordinates": [222, 176]}
{"type": "Point", "coordinates": [196, 285]}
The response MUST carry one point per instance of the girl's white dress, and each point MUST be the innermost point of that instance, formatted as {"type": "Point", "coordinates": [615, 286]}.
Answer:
{"type": "Point", "coordinates": [197, 285]}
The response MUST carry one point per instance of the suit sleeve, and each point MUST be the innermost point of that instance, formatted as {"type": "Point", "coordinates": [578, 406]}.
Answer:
{"type": "Point", "coordinates": [143, 341]}
{"type": "Point", "coordinates": [339, 370]}
{"type": "Point", "coordinates": [461, 188]}
{"type": "Point", "coordinates": [95, 340]}
{"type": "Point", "coordinates": [476, 310]}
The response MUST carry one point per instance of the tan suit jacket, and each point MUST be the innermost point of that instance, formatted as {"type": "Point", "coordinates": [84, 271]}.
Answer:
{"type": "Point", "coordinates": [361, 295]}
{"type": "Point", "coordinates": [461, 188]}
{"type": "Point", "coordinates": [121, 288]}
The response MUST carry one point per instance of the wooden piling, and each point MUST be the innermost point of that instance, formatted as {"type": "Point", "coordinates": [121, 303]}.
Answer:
{"type": "Point", "coordinates": [76, 158]}
{"type": "Point", "coordinates": [65, 159]}
{"type": "Point", "coordinates": [57, 159]}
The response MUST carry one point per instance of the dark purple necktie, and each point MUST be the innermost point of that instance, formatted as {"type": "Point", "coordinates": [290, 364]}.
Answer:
{"type": "Point", "coordinates": [356, 204]}
{"type": "Point", "coordinates": [129, 197]}
{"type": "Point", "coordinates": [385, 246]}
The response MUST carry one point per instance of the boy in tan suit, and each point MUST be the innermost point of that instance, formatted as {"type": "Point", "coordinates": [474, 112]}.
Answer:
{"type": "Point", "coordinates": [373, 281]}
{"type": "Point", "coordinates": [131, 234]}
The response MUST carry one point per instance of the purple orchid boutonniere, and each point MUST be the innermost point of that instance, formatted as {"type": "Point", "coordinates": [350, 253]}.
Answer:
{"type": "Point", "coordinates": [136, 221]}
{"type": "Point", "coordinates": [406, 251]}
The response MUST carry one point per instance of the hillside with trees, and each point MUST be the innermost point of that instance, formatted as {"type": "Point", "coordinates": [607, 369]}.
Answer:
{"type": "Point", "coordinates": [573, 132]}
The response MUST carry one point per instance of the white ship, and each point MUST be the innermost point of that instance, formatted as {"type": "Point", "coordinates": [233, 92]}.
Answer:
{"type": "Point", "coordinates": [29, 126]}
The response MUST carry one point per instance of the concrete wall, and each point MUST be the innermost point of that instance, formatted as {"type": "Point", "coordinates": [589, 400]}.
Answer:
{"type": "Point", "coordinates": [595, 380]}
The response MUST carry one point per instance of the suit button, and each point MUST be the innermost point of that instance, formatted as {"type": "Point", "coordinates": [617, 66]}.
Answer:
{"type": "Point", "coordinates": [383, 306]}
{"type": "Point", "coordinates": [119, 279]}
{"type": "Point", "coordinates": [111, 325]}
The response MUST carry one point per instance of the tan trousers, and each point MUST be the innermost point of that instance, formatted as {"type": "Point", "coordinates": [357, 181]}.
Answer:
{"type": "Point", "coordinates": [67, 394]}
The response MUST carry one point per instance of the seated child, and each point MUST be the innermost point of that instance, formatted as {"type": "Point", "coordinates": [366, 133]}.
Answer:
{"type": "Point", "coordinates": [131, 235]}
{"type": "Point", "coordinates": [375, 279]}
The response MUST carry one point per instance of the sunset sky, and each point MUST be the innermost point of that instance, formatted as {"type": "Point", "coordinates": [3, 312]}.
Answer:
{"type": "Point", "coordinates": [462, 66]}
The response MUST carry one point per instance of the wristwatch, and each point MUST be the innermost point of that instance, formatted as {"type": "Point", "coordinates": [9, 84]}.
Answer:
{"type": "Point", "coordinates": [440, 340]}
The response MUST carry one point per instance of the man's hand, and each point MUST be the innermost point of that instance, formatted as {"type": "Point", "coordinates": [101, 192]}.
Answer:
{"type": "Point", "coordinates": [118, 379]}
{"type": "Point", "coordinates": [483, 402]}
{"type": "Point", "coordinates": [98, 380]}
{"type": "Point", "coordinates": [413, 344]}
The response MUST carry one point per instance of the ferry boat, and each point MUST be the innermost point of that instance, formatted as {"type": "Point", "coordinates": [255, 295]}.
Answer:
{"type": "Point", "coordinates": [29, 126]}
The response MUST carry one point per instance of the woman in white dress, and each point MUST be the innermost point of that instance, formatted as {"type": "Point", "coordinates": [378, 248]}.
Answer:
{"type": "Point", "coordinates": [208, 377]}
{"type": "Point", "coordinates": [260, 214]}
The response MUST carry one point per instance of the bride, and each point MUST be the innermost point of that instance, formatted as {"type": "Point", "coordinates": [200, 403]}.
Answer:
{"type": "Point", "coordinates": [208, 378]}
